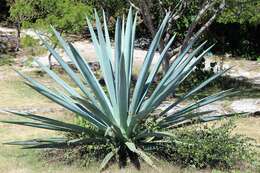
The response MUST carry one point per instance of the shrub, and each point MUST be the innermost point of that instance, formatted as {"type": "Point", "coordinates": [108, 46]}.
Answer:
{"type": "Point", "coordinates": [32, 46]}
{"type": "Point", "coordinates": [65, 15]}
{"type": "Point", "coordinates": [202, 146]}
{"type": "Point", "coordinates": [86, 154]}
{"type": "Point", "coordinates": [120, 115]}
{"type": "Point", "coordinates": [211, 146]}
{"type": "Point", "coordinates": [28, 41]}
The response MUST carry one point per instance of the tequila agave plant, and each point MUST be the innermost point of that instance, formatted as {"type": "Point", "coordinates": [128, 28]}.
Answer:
{"type": "Point", "coordinates": [120, 114]}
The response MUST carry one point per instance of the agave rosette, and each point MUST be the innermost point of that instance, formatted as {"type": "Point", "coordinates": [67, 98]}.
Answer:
{"type": "Point", "coordinates": [120, 114]}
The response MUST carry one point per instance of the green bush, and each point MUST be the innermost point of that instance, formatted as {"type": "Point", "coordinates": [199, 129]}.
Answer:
{"type": "Point", "coordinates": [83, 155]}
{"type": "Point", "coordinates": [32, 46]}
{"type": "Point", "coordinates": [210, 146]}
{"type": "Point", "coordinates": [206, 146]}
{"type": "Point", "coordinates": [65, 15]}
{"type": "Point", "coordinates": [29, 41]}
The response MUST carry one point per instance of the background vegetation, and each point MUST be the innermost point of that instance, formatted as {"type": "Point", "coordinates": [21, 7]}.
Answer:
{"type": "Point", "coordinates": [235, 31]}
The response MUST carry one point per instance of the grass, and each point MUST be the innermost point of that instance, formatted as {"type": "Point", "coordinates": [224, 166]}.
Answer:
{"type": "Point", "coordinates": [250, 127]}
{"type": "Point", "coordinates": [15, 95]}
{"type": "Point", "coordinates": [6, 59]}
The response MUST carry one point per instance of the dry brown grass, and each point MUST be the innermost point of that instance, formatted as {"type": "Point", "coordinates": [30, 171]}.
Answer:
{"type": "Point", "coordinates": [250, 127]}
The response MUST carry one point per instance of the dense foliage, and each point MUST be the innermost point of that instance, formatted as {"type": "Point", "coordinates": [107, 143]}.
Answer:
{"type": "Point", "coordinates": [65, 15]}
{"type": "Point", "coordinates": [238, 28]}
{"type": "Point", "coordinates": [241, 11]}
{"type": "Point", "coordinates": [198, 148]}
{"type": "Point", "coordinates": [112, 8]}
{"type": "Point", "coordinates": [235, 31]}
{"type": "Point", "coordinates": [211, 146]}
{"type": "Point", "coordinates": [119, 117]}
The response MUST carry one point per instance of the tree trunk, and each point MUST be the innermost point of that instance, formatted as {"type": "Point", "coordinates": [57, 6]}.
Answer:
{"type": "Point", "coordinates": [166, 63]}
{"type": "Point", "coordinates": [18, 35]}
{"type": "Point", "coordinates": [49, 57]}
{"type": "Point", "coordinates": [145, 11]}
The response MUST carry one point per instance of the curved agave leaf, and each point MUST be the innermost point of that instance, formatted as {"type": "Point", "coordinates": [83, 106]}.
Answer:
{"type": "Point", "coordinates": [57, 79]}
{"type": "Point", "coordinates": [193, 91]}
{"type": "Point", "coordinates": [105, 62]}
{"type": "Point", "coordinates": [93, 82]}
{"type": "Point", "coordinates": [154, 71]}
{"type": "Point", "coordinates": [138, 91]}
{"type": "Point", "coordinates": [54, 123]}
{"type": "Point", "coordinates": [204, 119]}
{"type": "Point", "coordinates": [107, 158]}
{"type": "Point", "coordinates": [162, 90]}
{"type": "Point", "coordinates": [154, 134]}
{"type": "Point", "coordinates": [70, 106]}
{"type": "Point", "coordinates": [196, 105]}
{"type": "Point", "coordinates": [108, 43]}
{"type": "Point", "coordinates": [145, 157]}
{"type": "Point", "coordinates": [69, 71]}
{"type": "Point", "coordinates": [56, 143]}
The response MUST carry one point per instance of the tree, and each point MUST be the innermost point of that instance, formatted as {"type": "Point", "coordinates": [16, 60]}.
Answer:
{"type": "Point", "coordinates": [112, 8]}
{"type": "Point", "coordinates": [198, 15]}
{"type": "Point", "coordinates": [64, 15]}
{"type": "Point", "coordinates": [241, 11]}
{"type": "Point", "coordinates": [237, 29]}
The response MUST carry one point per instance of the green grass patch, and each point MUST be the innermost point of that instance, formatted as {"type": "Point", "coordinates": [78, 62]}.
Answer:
{"type": "Point", "coordinates": [6, 59]}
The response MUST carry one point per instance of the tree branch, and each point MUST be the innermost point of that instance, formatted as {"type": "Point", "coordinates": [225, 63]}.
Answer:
{"type": "Point", "coordinates": [145, 5]}
{"type": "Point", "coordinates": [208, 23]}
{"type": "Point", "coordinates": [208, 5]}
{"type": "Point", "coordinates": [133, 5]}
